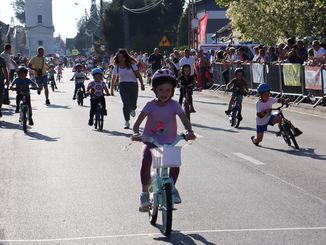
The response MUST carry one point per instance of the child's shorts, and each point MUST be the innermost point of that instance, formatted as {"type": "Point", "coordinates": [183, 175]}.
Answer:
{"type": "Point", "coordinates": [263, 128]}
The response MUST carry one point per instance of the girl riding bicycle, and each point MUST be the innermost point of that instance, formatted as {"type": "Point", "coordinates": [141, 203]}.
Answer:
{"type": "Point", "coordinates": [162, 126]}
{"type": "Point", "coordinates": [264, 116]}
{"type": "Point", "coordinates": [186, 81]}
{"type": "Point", "coordinates": [96, 89]}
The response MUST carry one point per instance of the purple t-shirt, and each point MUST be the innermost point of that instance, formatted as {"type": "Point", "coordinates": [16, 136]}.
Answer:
{"type": "Point", "coordinates": [161, 121]}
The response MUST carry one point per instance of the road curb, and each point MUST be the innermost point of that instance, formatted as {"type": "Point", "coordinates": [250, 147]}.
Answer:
{"type": "Point", "coordinates": [301, 108]}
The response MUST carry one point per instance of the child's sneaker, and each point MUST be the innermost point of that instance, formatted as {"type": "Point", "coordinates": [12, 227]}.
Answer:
{"type": "Point", "coordinates": [253, 141]}
{"type": "Point", "coordinates": [144, 202]}
{"type": "Point", "coordinates": [132, 113]}
{"type": "Point", "coordinates": [90, 122]}
{"type": "Point", "coordinates": [177, 198]}
{"type": "Point", "coordinates": [127, 125]}
{"type": "Point", "coordinates": [30, 122]}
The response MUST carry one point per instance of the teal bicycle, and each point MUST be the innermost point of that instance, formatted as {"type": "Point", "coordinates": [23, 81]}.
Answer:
{"type": "Point", "coordinates": [162, 186]}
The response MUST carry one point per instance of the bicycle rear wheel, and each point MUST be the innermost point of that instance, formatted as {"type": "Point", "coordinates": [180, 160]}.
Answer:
{"type": "Point", "coordinates": [167, 209]}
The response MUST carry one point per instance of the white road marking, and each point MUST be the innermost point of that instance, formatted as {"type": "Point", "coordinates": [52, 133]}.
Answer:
{"type": "Point", "coordinates": [322, 228]}
{"type": "Point", "coordinates": [248, 158]}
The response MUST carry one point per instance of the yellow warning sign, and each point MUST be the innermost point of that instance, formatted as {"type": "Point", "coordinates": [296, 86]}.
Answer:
{"type": "Point", "coordinates": [165, 42]}
{"type": "Point", "coordinates": [75, 52]}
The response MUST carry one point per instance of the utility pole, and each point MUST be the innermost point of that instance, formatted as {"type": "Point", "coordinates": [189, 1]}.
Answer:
{"type": "Point", "coordinates": [125, 17]}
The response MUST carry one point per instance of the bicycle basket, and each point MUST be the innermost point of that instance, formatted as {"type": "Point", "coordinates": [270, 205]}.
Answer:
{"type": "Point", "coordinates": [166, 157]}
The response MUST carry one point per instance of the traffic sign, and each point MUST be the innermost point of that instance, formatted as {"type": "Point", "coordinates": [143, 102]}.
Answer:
{"type": "Point", "coordinates": [164, 42]}
{"type": "Point", "coordinates": [75, 52]}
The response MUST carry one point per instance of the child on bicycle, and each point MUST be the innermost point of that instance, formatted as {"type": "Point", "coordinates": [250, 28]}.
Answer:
{"type": "Point", "coordinates": [59, 71]}
{"type": "Point", "coordinates": [162, 126]}
{"type": "Point", "coordinates": [79, 77]}
{"type": "Point", "coordinates": [186, 81]}
{"type": "Point", "coordinates": [96, 89]}
{"type": "Point", "coordinates": [239, 88]}
{"type": "Point", "coordinates": [51, 75]}
{"type": "Point", "coordinates": [22, 84]}
{"type": "Point", "coordinates": [264, 116]}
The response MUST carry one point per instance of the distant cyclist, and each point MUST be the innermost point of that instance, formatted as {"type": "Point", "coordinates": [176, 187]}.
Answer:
{"type": "Point", "coordinates": [239, 88]}
{"type": "Point", "coordinates": [96, 89]}
{"type": "Point", "coordinates": [186, 83]}
{"type": "Point", "coordinates": [79, 77]}
{"type": "Point", "coordinates": [22, 84]}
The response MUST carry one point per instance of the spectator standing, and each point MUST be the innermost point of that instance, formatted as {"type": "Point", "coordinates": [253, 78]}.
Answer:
{"type": "Point", "coordinates": [188, 60]}
{"type": "Point", "coordinates": [271, 55]}
{"type": "Point", "coordinates": [156, 60]}
{"type": "Point", "coordinates": [319, 52]}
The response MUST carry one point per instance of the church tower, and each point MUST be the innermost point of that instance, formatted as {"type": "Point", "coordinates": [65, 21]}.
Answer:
{"type": "Point", "coordinates": [39, 26]}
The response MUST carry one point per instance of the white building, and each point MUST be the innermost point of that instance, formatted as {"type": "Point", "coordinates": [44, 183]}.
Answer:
{"type": "Point", "coordinates": [39, 26]}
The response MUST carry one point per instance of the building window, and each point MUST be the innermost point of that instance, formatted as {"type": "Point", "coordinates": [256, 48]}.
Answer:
{"type": "Point", "coordinates": [40, 43]}
{"type": "Point", "coordinates": [39, 19]}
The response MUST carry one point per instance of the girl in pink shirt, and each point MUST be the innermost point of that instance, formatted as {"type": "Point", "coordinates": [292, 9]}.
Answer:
{"type": "Point", "coordinates": [161, 125]}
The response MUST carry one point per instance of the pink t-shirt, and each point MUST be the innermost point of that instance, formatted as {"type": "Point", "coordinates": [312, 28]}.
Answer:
{"type": "Point", "coordinates": [161, 121]}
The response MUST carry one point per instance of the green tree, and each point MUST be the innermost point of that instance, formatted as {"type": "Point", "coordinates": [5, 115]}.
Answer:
{"type": "Point", "coordinates": [272, 21]}
{"type": "Point", "coordinates": [83, 42]}
{"type": "Point", "coordinates": [146, 29]}
{"type": "Point", "coordinates": [182, 33]}
{"type": "Point", "coordinates": [19, 8]}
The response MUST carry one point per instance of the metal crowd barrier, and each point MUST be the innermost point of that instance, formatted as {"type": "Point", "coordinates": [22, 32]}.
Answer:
{"type": "Point", "coordinates": [274, 76]}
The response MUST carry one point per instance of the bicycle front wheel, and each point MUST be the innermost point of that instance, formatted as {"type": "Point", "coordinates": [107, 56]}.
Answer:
{"type": "Point", "coordinates": [101, 120]}
{"type": "Point", "coordinates": [167, 209]}
{"type": "Point", "coordinates": [24, 121]}
{"type": "Point", "coordinates": [293, 140]}
{"type": "Point", "coordinates": [187, 109]}
{"type": "Point", "coordinates": [153, 209]}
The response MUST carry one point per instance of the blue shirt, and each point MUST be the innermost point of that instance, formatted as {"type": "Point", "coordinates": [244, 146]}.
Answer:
{"type": "Point", "coordinates": [22, 84]}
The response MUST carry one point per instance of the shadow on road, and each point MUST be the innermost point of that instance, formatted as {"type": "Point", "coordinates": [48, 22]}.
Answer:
{"type": "Point", "coordinates": [247, 128]}
{"type": "Point", "coordinates": [210, 103]}
{"type": "Point", "coordinates": [9, 125]}
{"type": "Point", "coordinates": [213, 128]}
{"type": "Point", "coordinates": [39, 136]}
{"type": "Point", "coordinates": [304, 152]}
{"type": "Point", "coordinates": [115, 133]}
{"type": "Point", "coordinates": [59, 106]}
{"type": "Point", "coordinates": [178, 238]}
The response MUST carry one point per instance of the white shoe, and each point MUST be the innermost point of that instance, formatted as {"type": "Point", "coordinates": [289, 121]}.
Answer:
{"type": "Point", "coordinates": [132, 113]}
{"type": "Point", "coordinates": [144, 202]}
{"type": "Point", "coordinates": [127, 125]}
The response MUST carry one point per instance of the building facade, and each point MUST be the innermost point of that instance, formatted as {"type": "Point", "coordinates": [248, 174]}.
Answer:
{"type": "Point", "coordinates": [39, 26]}
{"type": "Point", "coordinates": [216, 17]}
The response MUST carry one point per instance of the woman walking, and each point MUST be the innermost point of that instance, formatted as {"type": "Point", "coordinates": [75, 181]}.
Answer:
{"type": "Point", "coordinates": [126, 70]}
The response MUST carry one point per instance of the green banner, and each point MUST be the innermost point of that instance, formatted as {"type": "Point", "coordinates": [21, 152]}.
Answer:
{"type": "Point", "coordinates": [292, 75]}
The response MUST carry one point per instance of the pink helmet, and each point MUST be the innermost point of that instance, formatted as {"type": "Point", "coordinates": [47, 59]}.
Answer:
{"type": "Point", "coordinates": [163, 75]}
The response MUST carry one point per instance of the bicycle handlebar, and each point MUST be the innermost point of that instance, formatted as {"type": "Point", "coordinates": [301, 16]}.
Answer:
{"type": "Point", "coordinates": [280, 107]}
{"type": "Point", "coordinates": [149, 139]}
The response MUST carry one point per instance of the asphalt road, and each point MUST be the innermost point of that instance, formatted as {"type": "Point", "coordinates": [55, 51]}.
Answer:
{"type": "Point", "coordinates": [65, 183]}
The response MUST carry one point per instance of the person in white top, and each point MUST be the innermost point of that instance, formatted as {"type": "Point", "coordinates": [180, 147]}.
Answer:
{"type": "Point", "coordinates": [264, 116]}
{"type": "Point", "coordinates": [319, 52]}
{"type": "Point", "coordinates": [188, 60]}
{"type": "Point", "coordinates": [10, 63]}
{"type": "Point", "coordinates": [126, 69]}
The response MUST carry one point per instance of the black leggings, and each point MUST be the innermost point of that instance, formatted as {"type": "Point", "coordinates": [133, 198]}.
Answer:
{"type": "Point", "coordinates": [19, 98]}
{"type": "Point", "coordinates": [94, 103]}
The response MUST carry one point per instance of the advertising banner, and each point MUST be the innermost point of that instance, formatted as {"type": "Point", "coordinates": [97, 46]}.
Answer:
{"type": "Point", "coordinates": [313, 77]}
{"type": "Point", "coordinates": [202, 24]}
{"type": "Point", "coordinates": [258, 73]}
{"type": "Point", "coordinates": [292, 75]}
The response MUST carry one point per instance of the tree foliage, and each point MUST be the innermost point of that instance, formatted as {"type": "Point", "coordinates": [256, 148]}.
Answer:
{"type": "Point", "coordinates": [82, 41]}
{"type": "Point", "coordinates": [19, 8]}
{"type": "Point", "coordinates": [182, 33]}
{"type": "Point", "coordinates": [270, 21]}
{"type": "Point", "coordinates": [146, 29]}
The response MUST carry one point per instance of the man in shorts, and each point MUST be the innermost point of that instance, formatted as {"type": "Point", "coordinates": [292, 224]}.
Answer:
{"type": "Point", "coordinates": [40, 67]}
